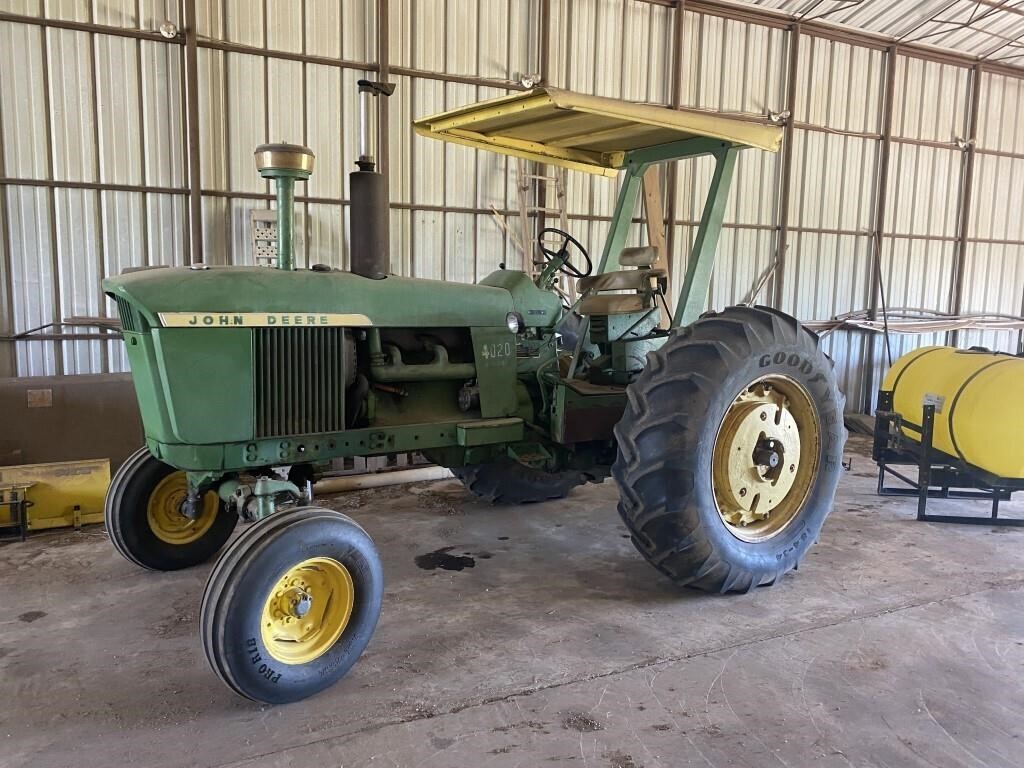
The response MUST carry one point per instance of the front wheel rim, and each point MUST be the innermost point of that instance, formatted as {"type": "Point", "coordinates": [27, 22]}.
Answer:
{"type": "Point", "coordinates": [307, 610]}
{"type": "Point", "coordinates": [164, 512]}
{"type": "Point", "coordinates": [766, 457]}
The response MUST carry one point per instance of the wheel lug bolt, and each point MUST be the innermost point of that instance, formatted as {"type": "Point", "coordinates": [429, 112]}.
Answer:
{"type": "Point", "coordinates": [743, 491]}
{"type": "Point", "coordinates": [764, 416]}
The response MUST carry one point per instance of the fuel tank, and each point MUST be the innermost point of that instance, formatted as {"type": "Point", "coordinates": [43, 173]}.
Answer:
{"type": "Point", "coordinates": [977, 397]}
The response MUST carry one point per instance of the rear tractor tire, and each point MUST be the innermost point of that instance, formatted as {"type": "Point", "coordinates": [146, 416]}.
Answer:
{"type": "Point", "coordinates": [730, 450]}
{"type": "Point", "coordinates": [291, 605]}
{"type": "Point", "coordinates": [506, 481]}
{"type": "Point", "coordinates": [142, 512]}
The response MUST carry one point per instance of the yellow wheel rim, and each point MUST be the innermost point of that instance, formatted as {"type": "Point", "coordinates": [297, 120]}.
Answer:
{"type": "Point", "coordinates": [765, 458]}
{"type": "Point", "coordinates": [307, 610]}
{"type": "Point", "coordinates": [164, 512]}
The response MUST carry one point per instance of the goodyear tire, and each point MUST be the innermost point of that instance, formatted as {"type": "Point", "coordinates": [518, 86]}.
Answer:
{"type": "Point", "coordinates": [730, 450]}
{"type": "Point", "coordinates": [291, 605]}
{"type": "Point", "coordinates": [141, 512]}
{"type": "Point", "coordinates": [508, 482]}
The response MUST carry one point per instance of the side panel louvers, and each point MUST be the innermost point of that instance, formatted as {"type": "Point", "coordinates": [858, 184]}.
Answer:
{"type": "Point", "coordinates": [127, 316]}
{"type": "Point", "coordinates": [299, 380]}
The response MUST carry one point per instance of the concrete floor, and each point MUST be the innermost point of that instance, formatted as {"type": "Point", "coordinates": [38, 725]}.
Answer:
{"type": "Point", "coordinates": [897, 643]}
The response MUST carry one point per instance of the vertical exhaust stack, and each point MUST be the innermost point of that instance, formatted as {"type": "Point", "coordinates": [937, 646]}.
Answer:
{"type": "Point", "coordinates": [370, 213]}
{"type": "Point", "coordinates": [284, 163]}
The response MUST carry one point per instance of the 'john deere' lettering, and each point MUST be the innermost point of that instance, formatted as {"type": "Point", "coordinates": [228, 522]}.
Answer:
{"type": "Point", "coordinates": [261, 319]}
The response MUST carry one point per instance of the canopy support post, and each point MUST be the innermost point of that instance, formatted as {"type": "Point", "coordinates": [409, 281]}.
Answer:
{"type": "Point", "coordinates": [694, 292]}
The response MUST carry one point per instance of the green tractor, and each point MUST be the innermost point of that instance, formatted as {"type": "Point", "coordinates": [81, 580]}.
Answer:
{"type": "Point", "coordinates": [723, 431]}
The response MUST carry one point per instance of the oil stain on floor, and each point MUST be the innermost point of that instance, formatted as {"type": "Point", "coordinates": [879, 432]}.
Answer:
{"type": "Point", "coordinates": [442, 558]}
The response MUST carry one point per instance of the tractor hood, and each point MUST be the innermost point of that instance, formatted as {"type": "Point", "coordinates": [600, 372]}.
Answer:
{"type": "Point", "coordinates": [259, 296]}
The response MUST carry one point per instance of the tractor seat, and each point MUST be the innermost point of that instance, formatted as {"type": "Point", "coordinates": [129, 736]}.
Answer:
{"type": "Point", "coordinates": [642, 281]}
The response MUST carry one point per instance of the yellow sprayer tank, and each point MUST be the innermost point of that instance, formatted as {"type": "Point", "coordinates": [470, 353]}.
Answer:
{"type": "Point", "coordinates": [979, 409]}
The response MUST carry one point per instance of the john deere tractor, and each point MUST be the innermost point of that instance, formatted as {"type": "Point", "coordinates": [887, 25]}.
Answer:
{"type": "Point", "coordinates": [723, 431]}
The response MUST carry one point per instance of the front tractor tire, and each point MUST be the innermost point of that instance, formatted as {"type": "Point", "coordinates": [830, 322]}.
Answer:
{"type": "Point", "coordinates": [291, 604]}
{"type": "Point", "coordinates": [506, 481]}
{"type": "Point", "coordinates": [730, 450]}
{"type": "Point", "coordinates": [143, 515]}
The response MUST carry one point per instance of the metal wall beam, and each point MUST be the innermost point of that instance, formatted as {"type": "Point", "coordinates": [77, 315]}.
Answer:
{"type": "Point", "coordinates": [8, 359]}
{"type": "Point", "coordinates": [786, 172]}
{"type": "Point", "coordinates": [84, 26]}
{"type": "Point", "coordinates": [966, 200]}
{"type": "Point", "coordinates": [877, 232]}
{"type": "Point", "coordinates": [195, 201]}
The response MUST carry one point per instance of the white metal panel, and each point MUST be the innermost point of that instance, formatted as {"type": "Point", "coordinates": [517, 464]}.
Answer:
{"type": "Point", "coordinates": [210, 19]}
{"type": "Point", "coordinates": [917, 274]}
{"type": "Point", "coordinates": [72, 111]}
{"type": "Point", "coordinates": [29, 219]}
{"type": "Point", "coordinates": [213, 120]}
{"type": "Point", "coordinates": [286, 93]}
{"type": "Point", "coordinates": [285, 25]}
{"type": "Point", "coordinates": [324, 107]}
{"type": "Point", "coordinates": [732, 66]}
{"type": "Point", "coordinates": [1001, 113]}
{"type": "Point", "coordinates": [839, 85]}
{"type": "Point", "coordinates": [118, 96]}
{"type": "Point", "coordinates": [591, 52]}
{"type": "Point", "coordinates": [833, 181]}
{"type": "Point", "coordinates": [124, 246]}
{"type": "Point", "coordinates": [61, 9]}
{"type": "Point", "coordinates": [324, 28]}
{"type": "Point", "coordinates": [402, 141]}
{"type": "Point", "coordinates": [166, 229]}
{"type": "Point", "coordinates": [825, 275]}
{"type": "Point", "coordinates": [244, 21]}
{"type": "Point", "coordinates": [23, 101]}
{"type": "Point", "coordinates": [326, 226]}
{"type": "Point", "coordinates": [163, 121]}
{"type": "Point", "coordinates": [460, 247]}
{"type": "Point", "coordinates": [998, 201]}
{"type": "Point", "coordinates": [483, 38]}
{"type": "Point", "coordinates": [994, 282]}
{"type": "Point", "coordinates": [930, 100]}
{"type": "Point", "coordinates": [247, 118]}
{"type": "Point", "coordinates": [215, 230]}
{"type": "Point", "coordinates": [79, 272]}
{"type": "Point", "coordinates": [744, 256]}
{"type": "Point", "coordinates": [22, 7]}
{"type": "Point", "coordinates": [924, 190]}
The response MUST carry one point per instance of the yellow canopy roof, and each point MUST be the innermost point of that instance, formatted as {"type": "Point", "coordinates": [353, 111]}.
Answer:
{"type": "Point", "coordinates": [586, 133]}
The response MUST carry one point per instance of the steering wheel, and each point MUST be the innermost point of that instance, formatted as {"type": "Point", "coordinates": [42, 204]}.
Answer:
{"type": "Point", "coordinates": [567, 268]}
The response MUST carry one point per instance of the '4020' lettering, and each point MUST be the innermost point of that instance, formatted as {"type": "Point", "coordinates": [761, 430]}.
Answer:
{"type": "Point", "coordinates": [503, 349]}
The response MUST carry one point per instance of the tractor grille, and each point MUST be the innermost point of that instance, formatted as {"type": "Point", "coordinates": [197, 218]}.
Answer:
{"type": "Point", "coordinates": [127, 315]}
{"type": "Point", "coordinates": [299, 380]}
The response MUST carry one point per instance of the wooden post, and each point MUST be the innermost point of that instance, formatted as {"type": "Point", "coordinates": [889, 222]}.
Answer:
{"type": "Point", "coordinates": [654, 217]}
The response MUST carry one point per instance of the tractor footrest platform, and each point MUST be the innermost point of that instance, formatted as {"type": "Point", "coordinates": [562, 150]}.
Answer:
{"type": "Point", "coordinates": [488, 431]}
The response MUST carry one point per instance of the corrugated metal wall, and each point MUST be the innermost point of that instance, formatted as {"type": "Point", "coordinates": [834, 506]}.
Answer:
{"type": "Point", "coordinates": [94, 156]}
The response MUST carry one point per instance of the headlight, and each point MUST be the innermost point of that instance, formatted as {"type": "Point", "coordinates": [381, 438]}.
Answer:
{"type": "Point", "coordinates": [514, 321]}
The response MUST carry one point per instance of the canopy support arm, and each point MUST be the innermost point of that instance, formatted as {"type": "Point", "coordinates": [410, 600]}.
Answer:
{"type": "Point", "coordinates": [694, 291]}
